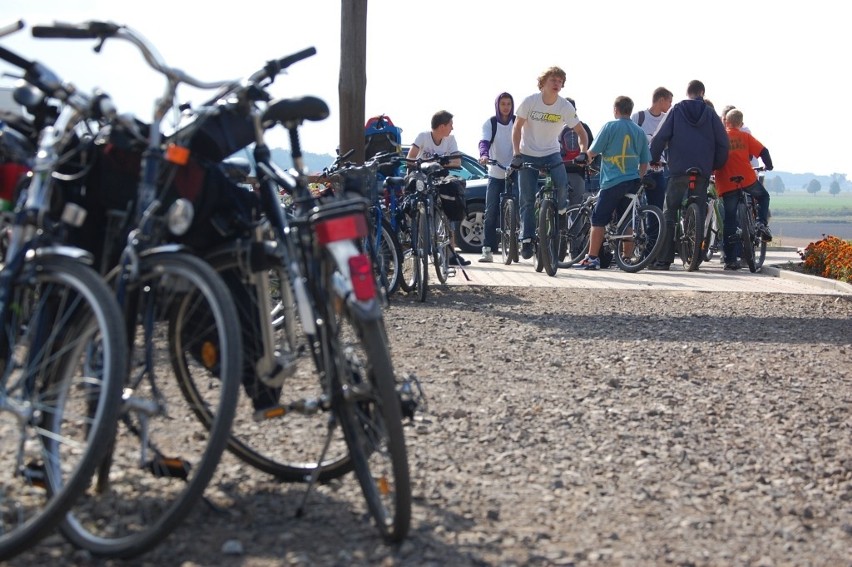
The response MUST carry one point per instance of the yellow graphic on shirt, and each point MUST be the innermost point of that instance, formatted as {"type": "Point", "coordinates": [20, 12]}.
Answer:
{"type": "Point", "coordinates": [620, 161]}
{"type": "Point", "coordinates": [545, 117]}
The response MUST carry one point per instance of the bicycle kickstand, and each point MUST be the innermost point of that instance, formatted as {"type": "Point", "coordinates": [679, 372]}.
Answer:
{"type": "Point", "coordinates": [312, 480]}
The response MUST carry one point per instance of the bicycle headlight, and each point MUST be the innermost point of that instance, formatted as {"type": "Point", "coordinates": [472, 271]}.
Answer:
{"type": "Point", "coordinates": [180, 216]}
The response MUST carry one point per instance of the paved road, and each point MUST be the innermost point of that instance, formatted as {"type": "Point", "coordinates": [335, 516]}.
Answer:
{"type": "Point", "coordinates": [710, 277]}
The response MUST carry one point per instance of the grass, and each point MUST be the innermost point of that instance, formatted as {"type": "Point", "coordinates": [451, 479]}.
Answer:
{"type": "Point", "coordinates": [807, 207]}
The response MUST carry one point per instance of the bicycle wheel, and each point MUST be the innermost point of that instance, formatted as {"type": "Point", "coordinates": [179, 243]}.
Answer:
{"type": "Point", "coordinates": [371, 420]}
{"type": "Point", "coordinates": [759, 253]}
{"type": "Point", "coordinates": [441, 243]}
{"type": "Point", "coordinates": [421, 277]}
{"type": "Point", "coordinates": [575, 235]}
{"type": "Point", "coordinates": [636, 245]}
{"type": "Point", "coordinates": [548, 237]}
{"type": "Point", "coordinates": [508, 232]}
{"type": "Point", "coordinates": [62, 364]}
{"type": "Point", "coordinates": [389, 259]}
{"type": "Point", "coordinates": [747, 236]}
{"type": "Point", "coordinates": [185, 362]}
{"type": "Point", "coordinates": [408, 256]}
{"type": "Point", "coordinates": [288, 442]}
{"type": "Point", "coordinates": [692, 237]}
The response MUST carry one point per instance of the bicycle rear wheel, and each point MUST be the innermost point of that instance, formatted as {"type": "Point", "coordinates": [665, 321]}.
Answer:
{"type": "Point", "coordinates": [548, 237]}
{"type": "Point", "coordinates": [62, 364]}
{"type": "Point", "coordinates": [441, 242]}
{"type": "Point", "coordinates": [692, 238]}
{"type": "Point", "coordinates": [575, 235]}
{"type": "Point", "coordinates": [408, 256]}
{"type": "Point", "coordinates": [371, 419]}
{"type": "Point", "coordinates": [389, 259]}
{"type": "Point", "coordinates": [508, 233]}
{"type": "Point", "coordinates": [288, 442]}
{"type": "Point", "coordinates": [636, 245]}
{"type": "Point", "coordinates": [747, 236]}
{"type": "Point", "coordinates": [185, 363]}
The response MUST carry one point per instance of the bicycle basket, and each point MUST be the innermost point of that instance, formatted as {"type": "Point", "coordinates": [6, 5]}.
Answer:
{"type": "Point", "coordinates": [451, 192]}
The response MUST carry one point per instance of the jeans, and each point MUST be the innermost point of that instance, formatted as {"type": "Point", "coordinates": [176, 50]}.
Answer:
{"type": "Point", "coordinates": [577, 182]}
{"type": "Point", "coordinates": [759, 193]}
{"type": "Point", "coordinates": [528, 181]}
{"type": "Point", "coordinates": [493, 191]}
{"type": "Point", "coordinates": [656, 197]}
{"type": "Point", "coordinates": [676, 192]}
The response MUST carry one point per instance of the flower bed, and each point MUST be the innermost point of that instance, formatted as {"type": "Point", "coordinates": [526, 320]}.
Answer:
{"type": "Point", "coordinates": [830, 257]}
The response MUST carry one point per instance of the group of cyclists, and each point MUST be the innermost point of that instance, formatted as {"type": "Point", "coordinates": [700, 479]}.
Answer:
{"type": "Point", "coordinates": [663, 142]}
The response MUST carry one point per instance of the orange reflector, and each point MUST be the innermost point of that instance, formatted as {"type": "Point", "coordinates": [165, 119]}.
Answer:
{"type": "Point", "coordinates": [209, 354]}
{"type": "Point", "coordinates": [383, 485]}
{"type": "Point", "coordinates": [363, 283]}
{"type": "Point", "coordinates": [177, 154]}
{"type": "Point", "coordinates": [341, 228]}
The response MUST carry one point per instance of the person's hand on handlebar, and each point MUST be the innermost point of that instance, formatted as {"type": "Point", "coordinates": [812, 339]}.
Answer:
{"type": "Point", "coordinates": [582, 158]}
{"type": "Point", "coordinates": [516, 162]}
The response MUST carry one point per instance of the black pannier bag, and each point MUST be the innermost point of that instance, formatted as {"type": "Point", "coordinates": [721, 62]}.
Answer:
{"type": "Point", "coordinates": [451, 192]}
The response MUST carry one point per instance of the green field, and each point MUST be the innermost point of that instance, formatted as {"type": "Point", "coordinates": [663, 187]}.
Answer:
{"type": "Point", "coordinates": [806, 207]}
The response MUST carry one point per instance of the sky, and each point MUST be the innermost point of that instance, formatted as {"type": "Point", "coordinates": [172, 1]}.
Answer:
{"type": "Point", "coordinates": [782, 64]}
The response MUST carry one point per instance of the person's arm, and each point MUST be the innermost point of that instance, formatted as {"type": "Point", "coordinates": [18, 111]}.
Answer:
{"type": "Point", "coordinates": [516, 135]}
{"type": "Point", "coordinates": [413, 152]}
{"type": "Point", "coordinates": [484, 148]}
{"type": "Point", "coordinates": [767, 160]}
{"type": "Point", "coordinates": [582, 136]}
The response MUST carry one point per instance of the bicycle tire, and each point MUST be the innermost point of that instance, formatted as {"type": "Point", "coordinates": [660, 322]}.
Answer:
{"type": "Point", "coordinates": [692, 237]}
{"type": "Point", "coordinates": [711, 238]}
{"type": "Point", "coordinates": [643, 246]}
{"type": "Point", "coordinates": [508, 232]}
{"type": "Point", "coordinates": [63, 357]}
{"type": "Point", "coordinates": [746, 236]}
{"type": "Point", "coordinates": [408, 257]}
{"type": "Point", "coordinates": [548, 237]}
{"type": "Point", "coordinates": [422, 261]}
{"type": "Point", "coordinates": [371, 421]}
{"type": "Point", "coordinates": [441, 245]}
{"type": "Point", "coordinates": [182, 315]}
{"type": "Point", "coordinates": [576, 235]}
{"type": "Point", "coordinates": [760, 254]}
{"type": "Point", "coordinates": [389, 259]}
{"type": "Point", "coordinates": [289, 443]}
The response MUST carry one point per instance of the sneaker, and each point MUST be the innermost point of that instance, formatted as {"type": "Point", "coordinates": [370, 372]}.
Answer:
{"type": "Point", "coordinates": [764, 232]}
{"type": "Point", "coordinates": [732, 266]}
{"type": "Point", "coordinates": [526, 249]}
{"type": "Point", "coordinates": [589, 264]}
{"type": "Point", "coordinates": [486, 257]}
{"type": "Point", "coordinates": [457, 260]}
{"type": "Point", "coordinates": [659, 266]}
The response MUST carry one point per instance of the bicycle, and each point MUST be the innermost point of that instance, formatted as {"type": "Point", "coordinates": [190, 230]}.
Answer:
{"type": "Point", "coordinates": [63, 348]}
{"type": "Point", "coordinates": [689, 227]}
{"type": "Point", "coordinates": [178, 313]}
{"type": "Point", "coordinates": [508, 226]}
{"type": "Point", "coordinates": [628, 238]}
{"type": "Point", "coordinates": [712, 224]}
{"type": "Point", "coordinates": [751, 243]}
{"type": "Point", "coordinates": [430, 227]}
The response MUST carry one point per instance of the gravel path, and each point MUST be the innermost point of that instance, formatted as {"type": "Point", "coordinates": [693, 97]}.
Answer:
{"type": "Point", "coordinates": [592, 428]}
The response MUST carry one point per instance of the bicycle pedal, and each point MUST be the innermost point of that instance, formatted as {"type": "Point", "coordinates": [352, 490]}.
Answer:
{"type": "Point", "coordinates": [165, 467]}
{"type": "Point", "coordinates": [35, 474]}
{"type": "Point", "coordinates": [270, 413]}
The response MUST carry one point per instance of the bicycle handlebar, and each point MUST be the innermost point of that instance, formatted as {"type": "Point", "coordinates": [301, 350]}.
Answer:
{"type": "Point", "coordinates": [11, 28]}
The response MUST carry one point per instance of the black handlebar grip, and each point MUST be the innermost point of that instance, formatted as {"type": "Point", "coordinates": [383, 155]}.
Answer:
{"type": "Point", "coordinates": [15, 59]}
{"type": "Point", "coordinates": [63, 32]}
{"type": "Point", "coordinates": [285, 62]}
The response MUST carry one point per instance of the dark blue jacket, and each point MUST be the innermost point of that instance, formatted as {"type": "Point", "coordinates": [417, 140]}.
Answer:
{"type": "Point", "coordinates": [694, 137]}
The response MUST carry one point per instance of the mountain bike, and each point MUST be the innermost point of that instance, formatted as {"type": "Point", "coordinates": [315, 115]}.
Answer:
{"type": "Point", "coordinates": [508, 226]}
{"type": "Point", "coordinates": [689, 226]}
{"type": "Point", "coordinates": [63, 348]}
{"type": "Point", "coordinates": [633, 239]}
{"type": "Point", "coordinates": [546, 241]}
{"type": "Point", "coordinates": [751, 244]}
{"type": "Point", "coordinates": [184, 358]}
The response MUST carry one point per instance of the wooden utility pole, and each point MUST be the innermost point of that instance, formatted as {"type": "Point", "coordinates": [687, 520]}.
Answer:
{"type": "Point", "coordinates": [353, 76]}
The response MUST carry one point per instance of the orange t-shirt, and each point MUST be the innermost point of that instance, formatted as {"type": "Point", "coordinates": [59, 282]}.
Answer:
{"type": "Point", "coordinates": [742, 146]}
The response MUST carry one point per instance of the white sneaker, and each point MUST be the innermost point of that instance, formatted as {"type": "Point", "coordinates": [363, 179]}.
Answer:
{"type": "Point", "coordinates": [486, 257]}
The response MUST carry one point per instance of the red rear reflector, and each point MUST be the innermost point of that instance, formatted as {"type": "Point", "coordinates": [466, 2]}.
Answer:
{"type": "Point", "coordinates": [363, 283]}
{"type": "Point", "coordinates": [177, 154]}
{"type": "Point", "coordinates": [341, 228]}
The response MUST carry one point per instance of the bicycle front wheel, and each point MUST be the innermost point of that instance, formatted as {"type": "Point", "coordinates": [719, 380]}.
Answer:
{"type": "Point", "coordinates": [62, 364]}
{"type": "Point", "coordinates": [747, 236]}
{"type": "Point", "coordinates": [548, 237]}
{"type": "Point", "coordinates": [692, 238]}
{"type": "Point", "coordinates": [369, 410]}
{"type": "Point", "coordinates": [389, 259]}
{"type": "Point", "coordinates": [421, 274]}
{"type": "Point", "coordinates": [184, 364]}
{"type": "Point", "coordinates": [635, 244]}
{"type": "Point", "coordinates": [509, 232]}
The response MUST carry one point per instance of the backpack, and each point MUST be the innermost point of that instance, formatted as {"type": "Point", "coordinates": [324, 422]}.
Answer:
{"type": "Point", "coordinates": [381, 136]}
{"type": "Point", "coordinates": [494, 129]}
{"type": "Point", "coordinates": [641, 118]}
{"type": "Point", "coordinates": [569, 142]}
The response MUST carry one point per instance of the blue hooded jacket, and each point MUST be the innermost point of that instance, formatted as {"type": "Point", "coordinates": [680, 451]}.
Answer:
{"type": "Point", "coordinates": [694, 137]}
